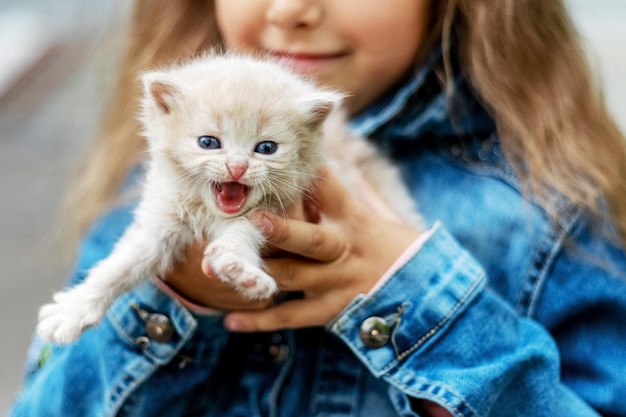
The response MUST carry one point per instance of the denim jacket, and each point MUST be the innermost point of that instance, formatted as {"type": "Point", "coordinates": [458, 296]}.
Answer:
{"type": "Point", "coordinates": [500, 312]}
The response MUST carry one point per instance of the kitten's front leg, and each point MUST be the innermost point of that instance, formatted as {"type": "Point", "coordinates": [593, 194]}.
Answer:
{"type": "Point", "coordinates": [72, 311]}
{"type": "Point", "coordinates": [235, 258]}
{"type": "Point", "coordinates": [140, 253]}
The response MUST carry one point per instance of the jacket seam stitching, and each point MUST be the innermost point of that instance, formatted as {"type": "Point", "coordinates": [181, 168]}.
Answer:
{"type": "Point", "coordinates": [429, 334]}
{"type": "Point", "coordinates": [551, 244]}
{"type": "Point", "coordinates": [415, 392]}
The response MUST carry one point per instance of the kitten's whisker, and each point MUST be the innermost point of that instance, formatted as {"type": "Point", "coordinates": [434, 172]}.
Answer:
{"type": "Point", "coordinates": [305, 191]}
{"type": "Point", "coordinates": [196, 183]}
{"type": "Point", "coordinates": [275, 193]}
{"type": "Point", "coordinates": [283, 181]}
{"type": "Point", "coordinates": [268, 196]}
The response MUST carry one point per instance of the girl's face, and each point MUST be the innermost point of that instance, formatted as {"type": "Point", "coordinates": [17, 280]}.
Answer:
{"type": "Point", "coordinates": [361, 47]}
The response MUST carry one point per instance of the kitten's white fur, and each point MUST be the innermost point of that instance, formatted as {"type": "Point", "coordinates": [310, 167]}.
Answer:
{"type": "Point", "coordinates": [242, 101]}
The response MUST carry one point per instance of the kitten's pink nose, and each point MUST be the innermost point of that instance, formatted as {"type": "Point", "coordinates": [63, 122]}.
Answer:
{"type": "Point", "coordinates": [236, 171]}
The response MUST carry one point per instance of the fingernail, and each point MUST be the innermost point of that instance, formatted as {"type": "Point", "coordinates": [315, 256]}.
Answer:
{"type": "Point", "coordinates": [233, 324]}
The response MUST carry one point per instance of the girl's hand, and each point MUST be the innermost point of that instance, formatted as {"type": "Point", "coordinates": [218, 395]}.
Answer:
{"type": "Point", "coordinates": [331, 262]}
{"type": "Point", "coordinates": [193, 280]}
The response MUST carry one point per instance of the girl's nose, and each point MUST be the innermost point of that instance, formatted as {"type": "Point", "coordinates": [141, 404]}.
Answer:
{"type": "Point", "coordinates": [295, 14]}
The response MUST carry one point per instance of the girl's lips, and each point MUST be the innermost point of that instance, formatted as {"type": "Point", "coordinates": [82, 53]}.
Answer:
{"type": "Point", "coordinates": [303, 62]}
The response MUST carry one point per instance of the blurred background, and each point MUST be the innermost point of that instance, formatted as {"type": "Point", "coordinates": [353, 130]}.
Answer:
{"type": "Point", "coordinates": [56, 60]}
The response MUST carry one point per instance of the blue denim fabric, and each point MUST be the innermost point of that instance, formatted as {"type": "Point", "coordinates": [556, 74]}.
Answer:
{"type": "Point", "coordinates": [500, 313]}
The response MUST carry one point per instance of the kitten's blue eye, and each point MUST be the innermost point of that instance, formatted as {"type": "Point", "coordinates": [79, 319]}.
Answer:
{"type": "Point", "coordinates": [266, 148]}
{"type": "Point", "coordinates": [209, 142]}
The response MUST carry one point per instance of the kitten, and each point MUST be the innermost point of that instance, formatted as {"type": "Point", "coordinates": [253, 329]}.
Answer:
{"type": "Point", "coordinates": [226, 134]}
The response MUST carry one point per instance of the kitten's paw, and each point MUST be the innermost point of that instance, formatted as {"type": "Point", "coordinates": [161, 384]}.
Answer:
{"type": "Point", "coordinates": [247, 278]}
{"type": "Point", "coordinates": [255, 284]}
{"type": "Point", "coordinates": [65, 320]}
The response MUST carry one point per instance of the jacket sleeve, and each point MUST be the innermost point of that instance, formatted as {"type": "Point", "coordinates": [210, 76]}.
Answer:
{"type": "Point", "coordinates": [96, 374]}
{"type": "Point", "coordinates": [455, 342]}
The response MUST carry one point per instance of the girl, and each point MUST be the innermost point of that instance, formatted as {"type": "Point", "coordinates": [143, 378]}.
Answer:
{"type": "Point", "coordinates": [513, 302]}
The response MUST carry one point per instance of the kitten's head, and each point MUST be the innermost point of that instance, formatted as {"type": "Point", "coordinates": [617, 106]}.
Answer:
{"type": "Point", "coordinates": [237, 131]}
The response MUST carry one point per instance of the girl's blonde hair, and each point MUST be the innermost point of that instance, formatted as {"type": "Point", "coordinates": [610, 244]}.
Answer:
{"type": "Point", "coordinates": [522, 57]}
{"type": "Point", "coordinates": [525, 60]}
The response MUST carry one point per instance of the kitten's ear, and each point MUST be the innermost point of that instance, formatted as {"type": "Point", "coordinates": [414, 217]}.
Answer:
{"type": "Point", "coordinates": [319, 106]}
{"type": "Point", "coordinates": [161, 90]}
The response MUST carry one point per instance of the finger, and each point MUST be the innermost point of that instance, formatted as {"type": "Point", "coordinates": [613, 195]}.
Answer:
{"type": "Point", "coordinates": [288, 315]}
{"type": "Point", "coordinates": [311, 210]}
{"type": "Point", "coordinates": [236, 301]}
{"type": "Point", "coordinates": [297, 275]}
{"type": "Point", "coordinates": [302, 238]}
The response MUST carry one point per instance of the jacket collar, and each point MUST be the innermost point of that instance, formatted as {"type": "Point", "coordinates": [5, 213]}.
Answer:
{"type": "Point", "coordinates": [419, 109]}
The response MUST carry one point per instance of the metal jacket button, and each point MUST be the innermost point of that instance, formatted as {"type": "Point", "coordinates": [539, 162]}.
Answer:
{"type": "Point", "coordinates": [374, 332]}
{"type": "Point", "coordinates": [159, 328]}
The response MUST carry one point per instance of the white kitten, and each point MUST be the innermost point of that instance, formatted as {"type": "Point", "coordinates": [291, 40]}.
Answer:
{"type": "Point", "coordinates": [226, 134]}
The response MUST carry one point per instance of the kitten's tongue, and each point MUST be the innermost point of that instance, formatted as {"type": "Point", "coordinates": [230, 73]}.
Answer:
{"type": "Point", "coordinates": [230, 196]}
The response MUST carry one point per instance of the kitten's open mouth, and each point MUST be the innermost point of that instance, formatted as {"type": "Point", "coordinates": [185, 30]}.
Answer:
{"type": "Point", "coordinates": [230, 196]}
